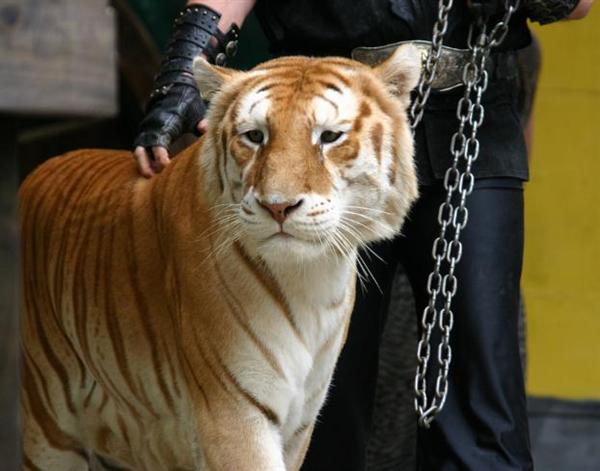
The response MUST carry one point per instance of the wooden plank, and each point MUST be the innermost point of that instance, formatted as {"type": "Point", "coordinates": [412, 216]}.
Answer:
{"type": "Point", "coordinates": [135, 43]}
{"type": "Point", "coordinates": [57, 57]}
{"type": "Point", "coordinates": [9, 338]}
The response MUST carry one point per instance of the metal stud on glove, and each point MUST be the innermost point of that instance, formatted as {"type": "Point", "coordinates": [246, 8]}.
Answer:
{"type": "Point", "coordinates": [549, 11]}
{"type": "Point", "coordinates": [175, 106]}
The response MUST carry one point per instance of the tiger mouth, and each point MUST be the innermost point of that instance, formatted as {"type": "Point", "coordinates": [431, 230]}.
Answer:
{"type": "Point", "coordinates": [282, 234]}
{"type": "Point", "coordinates": [285, 236]}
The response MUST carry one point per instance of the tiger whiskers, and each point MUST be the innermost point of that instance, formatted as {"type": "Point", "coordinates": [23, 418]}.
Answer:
{"type": "Point", "coordinates": [225, 230]}
{"type": "Point", "coordinates": [350, 238]}
{"type": "Point", "coordinates": [370, 210]}
{"type": "Point", "coordinates": [368, 219]}
{"type": "Point", "coordinates": [345, 223]}
{"type": "Point", "coordinates": [220, 214]}
{"type": "Point", "coordinates": [230, 233]}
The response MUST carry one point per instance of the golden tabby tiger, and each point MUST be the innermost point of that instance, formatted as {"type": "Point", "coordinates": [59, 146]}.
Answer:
{"type": "Point", "coordinates": [193, 321]}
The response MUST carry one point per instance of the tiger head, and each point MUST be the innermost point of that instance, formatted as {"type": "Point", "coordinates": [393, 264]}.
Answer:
{"type": "Point", "coordinates": [310, 155]}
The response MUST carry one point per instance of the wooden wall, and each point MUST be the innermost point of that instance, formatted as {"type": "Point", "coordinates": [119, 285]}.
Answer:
{"type": "Point", "coordinates": [57, 57]}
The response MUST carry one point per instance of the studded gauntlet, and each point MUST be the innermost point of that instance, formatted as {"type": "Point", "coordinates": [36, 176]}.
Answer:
{"type": "Point", "coordinates": [175, 106]}
{"type": "Point", "coordinates": [549, 11]}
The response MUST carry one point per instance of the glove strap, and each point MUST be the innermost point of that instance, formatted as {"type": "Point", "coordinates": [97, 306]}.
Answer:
{"type": "Point", "coordinates": [549, 11]}
{"type": "Point", "coordinates": [195, 32]}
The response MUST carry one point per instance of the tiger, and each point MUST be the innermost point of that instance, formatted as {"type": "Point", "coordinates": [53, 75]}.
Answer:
{"type": "Point", "coordinates": [192, 321]}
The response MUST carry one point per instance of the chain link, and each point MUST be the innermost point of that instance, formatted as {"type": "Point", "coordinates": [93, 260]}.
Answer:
{"type": "Point", "coordinates": [453, 214]}
{"type": "Point", "coordinates": [430, 63]}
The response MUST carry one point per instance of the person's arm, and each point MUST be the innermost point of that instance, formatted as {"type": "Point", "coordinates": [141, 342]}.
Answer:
{"type": "Point", "coordinates": [549, 11]}
{"type": "Point", "coordinates": [232, 11]}
{"type": "Point", "coordinates": [177, 107]}
{"type": "Point", "coordinates": [581, 10]}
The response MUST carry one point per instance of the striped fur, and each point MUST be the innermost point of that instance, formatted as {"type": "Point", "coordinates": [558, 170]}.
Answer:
{"type": "Point", "coordinates": [170, 324]}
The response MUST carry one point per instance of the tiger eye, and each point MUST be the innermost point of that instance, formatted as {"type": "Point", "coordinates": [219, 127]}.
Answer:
{"type": "Point", "coordinates": [327, 137]}
{"type": "Point", "coordinates": [255, 136]}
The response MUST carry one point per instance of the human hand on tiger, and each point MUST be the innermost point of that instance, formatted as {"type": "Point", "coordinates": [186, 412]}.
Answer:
{"type": "Point", "coordinates": [175, 106]}
{"type": "Point", "coordinates": [178, 111]}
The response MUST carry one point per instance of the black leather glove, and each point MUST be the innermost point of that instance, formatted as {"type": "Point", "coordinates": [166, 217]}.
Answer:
{"type": "Point", "coordinates": [542, 11]}
{"type": "Point", "coordinates": [549, 11]}
{"type": "Point", "coordinates": [175, 106]}
{"type": "Point", "coordinates": [171, 115]}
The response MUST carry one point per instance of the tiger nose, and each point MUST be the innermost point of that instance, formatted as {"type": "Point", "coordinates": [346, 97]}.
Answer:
{"type": "Point", "coordinates": [280, 211]}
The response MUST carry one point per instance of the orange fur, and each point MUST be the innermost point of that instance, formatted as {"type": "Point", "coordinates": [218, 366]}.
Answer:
{"type": "Point", "coordinates": [148, 334]}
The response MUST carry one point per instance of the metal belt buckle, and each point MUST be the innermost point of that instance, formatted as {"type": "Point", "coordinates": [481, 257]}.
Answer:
{"type": "Point", "coordinates": [450, 66]}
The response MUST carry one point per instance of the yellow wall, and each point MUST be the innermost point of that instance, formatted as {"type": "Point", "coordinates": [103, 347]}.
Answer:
{"type": "Point", "coordinates": [562, 256]}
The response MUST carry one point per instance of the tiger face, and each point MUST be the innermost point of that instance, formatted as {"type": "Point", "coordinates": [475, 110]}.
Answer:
{"type": "Point", "coordinates": [310, 155]}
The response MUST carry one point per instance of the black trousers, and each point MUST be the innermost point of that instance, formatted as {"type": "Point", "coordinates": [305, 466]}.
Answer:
{"type": "Point", "coordinates": [483, 426]}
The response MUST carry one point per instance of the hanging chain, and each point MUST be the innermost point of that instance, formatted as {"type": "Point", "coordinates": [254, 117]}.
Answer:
{"type": "Point", "coordinates": [430, 66]}
{"type": "Point", "coordinates": [453, 214]}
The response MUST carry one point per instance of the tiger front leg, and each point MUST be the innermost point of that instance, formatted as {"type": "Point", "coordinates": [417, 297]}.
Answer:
{"type": "Point", "coordinates": [46, 447]}
{"type": "Point", "coordinates": [297, 446]}
{"type": "Point", "coordinates": [48, 419]}
{"type": "Point", "coordinates": [239, 440]}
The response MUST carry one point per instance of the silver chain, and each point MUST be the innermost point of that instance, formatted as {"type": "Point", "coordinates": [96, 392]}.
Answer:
{"type": "Point", "coordinates": [459, 182]}
{"type": "Point", "coordinates": [430, 64]}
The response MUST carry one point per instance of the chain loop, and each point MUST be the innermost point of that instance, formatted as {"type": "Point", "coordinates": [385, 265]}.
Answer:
{"type": "Point", "coordinates": [430, 63]}
{"type": "Point", "coordinates": [459, 182]}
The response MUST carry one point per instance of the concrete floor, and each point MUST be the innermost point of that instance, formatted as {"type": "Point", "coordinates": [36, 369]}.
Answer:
{"type": "Point", "coordinates": [565, 435]}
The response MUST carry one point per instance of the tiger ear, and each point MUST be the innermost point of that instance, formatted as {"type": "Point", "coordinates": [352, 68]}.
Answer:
{"type": "Point", "coordinates": [210, 78]}
{"type": "Point", "coordinates": [401, 71]}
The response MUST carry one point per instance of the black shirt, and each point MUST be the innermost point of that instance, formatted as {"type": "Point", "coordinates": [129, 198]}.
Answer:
{"type": "Point", "coordinates": [335, 27]}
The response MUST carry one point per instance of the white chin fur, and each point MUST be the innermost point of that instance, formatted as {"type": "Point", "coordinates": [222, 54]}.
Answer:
{"type": "Point", "coordinates": [284, 250]}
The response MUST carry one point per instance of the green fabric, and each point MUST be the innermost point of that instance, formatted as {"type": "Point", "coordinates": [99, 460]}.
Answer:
{"type": "Point", "coordinates": [158, 17]}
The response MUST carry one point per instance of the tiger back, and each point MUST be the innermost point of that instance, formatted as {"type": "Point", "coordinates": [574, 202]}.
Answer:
{"type": "Point", "coordinates": [193, 320]}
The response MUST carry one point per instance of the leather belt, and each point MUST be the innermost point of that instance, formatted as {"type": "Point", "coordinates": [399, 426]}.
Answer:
{"type": "Point", "coordinates": [450, 67]}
